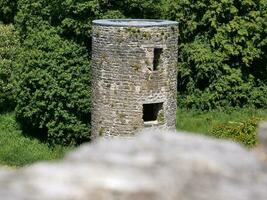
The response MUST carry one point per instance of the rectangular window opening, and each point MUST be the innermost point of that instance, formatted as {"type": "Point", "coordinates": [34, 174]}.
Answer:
{"type": "Point", "coordinates": [157, 56]}
{"type": "Point", "coordinates": [151, 111]}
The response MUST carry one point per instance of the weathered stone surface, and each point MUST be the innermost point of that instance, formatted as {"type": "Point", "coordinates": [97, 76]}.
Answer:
{"type": "Point", "coordinates": [123, 76]}
{"type": "Point", "coordinates": [261, 150]}
{"type": "Point", "coordinates": [156, 165]}
{"type": "Point", "coordinates": [263, 134]}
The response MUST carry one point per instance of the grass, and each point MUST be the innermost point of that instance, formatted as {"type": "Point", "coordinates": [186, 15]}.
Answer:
{"type": "Point", "coordinates": [16, 150]}
{"type": "Point", "coordinates": [235, 124]}
{"type": "Point", "coordinates": [203, 122]}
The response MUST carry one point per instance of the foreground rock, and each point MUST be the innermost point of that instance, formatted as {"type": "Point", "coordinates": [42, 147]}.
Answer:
{"type": "Point", "coordinates": [152, 166]}
{"type": "Point", "coordinates": [262, 132]}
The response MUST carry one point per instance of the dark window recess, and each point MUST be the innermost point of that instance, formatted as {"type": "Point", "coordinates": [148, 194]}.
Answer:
{"type": "Point", "coordinates": [151, 111]}
{"type": "Point", "coordinates": [157, 56]}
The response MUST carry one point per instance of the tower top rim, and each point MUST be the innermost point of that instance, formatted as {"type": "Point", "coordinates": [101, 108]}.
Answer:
{"type": "Point", "coordinates": [134, 22]}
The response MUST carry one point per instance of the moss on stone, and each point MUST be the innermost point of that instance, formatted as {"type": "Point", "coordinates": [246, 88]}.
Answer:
{"type": "Point", "coordinates": [101, 131]}
{"type": "Point", "coordinates": [136, 67]}
{"type": "Point", "coordinates": [160, 117]}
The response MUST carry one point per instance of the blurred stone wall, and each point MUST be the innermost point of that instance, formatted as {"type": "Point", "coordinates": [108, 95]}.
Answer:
{"type": "Point", "coordinates": [155, 165]}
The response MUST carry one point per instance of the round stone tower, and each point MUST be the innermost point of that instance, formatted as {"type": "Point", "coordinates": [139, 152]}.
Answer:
{"type": "Point", "coordinates": [134, 65]}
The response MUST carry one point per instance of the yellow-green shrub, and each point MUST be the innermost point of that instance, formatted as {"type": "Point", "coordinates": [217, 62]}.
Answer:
{"type": "Point", "coordinates": [242, 132]}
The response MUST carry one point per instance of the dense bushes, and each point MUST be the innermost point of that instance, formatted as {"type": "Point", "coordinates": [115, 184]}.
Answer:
{"type": "Point", "coordinates": [8, 9]}
{"type": "Point", "coordinates": [17, 150]}
{"type": "Point", "coordinates": [9, 46]}
{"type": "Point", "coordinates": [53, 91]}
{"type": "Point", "coordinates": [242, 132]}
{"type": "Point", "coordinates": [53, 79]}
{"type": "Point", "coordinates": [222, 57]}
{"type": "Point", "coordinates": [236, 124]}
{"type": "Point", "coordinates": [223, 48]}
{"type": "Point", "coordinates": [73, 19]}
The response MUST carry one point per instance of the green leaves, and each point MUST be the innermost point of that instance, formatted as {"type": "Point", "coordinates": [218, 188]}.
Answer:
{"type": "Point", "coordinates": [9, 47]}
{"type": "Point", "coordinates": [73, 19]}
{"type": "Point", "coordinates": [242, 132]}
{"type": "Point", "coordinates": [54, 87]}
{"type": "Point", "coordinates": [8, 9]}
{"type": "Point", "coordinates": [222, 56]}
{"type": "Point", "coordinates": [222, 52]}
{"type": "Point", "coordinates": [54, 80]}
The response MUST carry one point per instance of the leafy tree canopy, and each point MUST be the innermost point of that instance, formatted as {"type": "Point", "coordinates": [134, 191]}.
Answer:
{"type": "Point", "coordinates": [222, 52]}
{"type": "Point", "coordinates": [8, 9]}
{"type": "Point", "coordinates": [53, 87]}
{"type": "Point", "coordinates": [9, 47]}
{"type": "Point", "coordinates": [222, 56]}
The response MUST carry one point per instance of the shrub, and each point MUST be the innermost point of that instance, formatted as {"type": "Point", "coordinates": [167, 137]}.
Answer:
{"type": "Point", "coordinates": [242, 132]}
{"type": "Point", "coordinates": [73, 19]}
{"type": "Point", "coordinates": [222, 56]}
{"type": "Point", "coordinates": [138, 8]}
{"type": "Point", "coordinates": [9, 45]}
{"type": "Point", "coordinates": [8, 9]}
{"type": "Point", "coordinates": [53, 87]}
{"type": "Point", "coordinates": [17, 150]}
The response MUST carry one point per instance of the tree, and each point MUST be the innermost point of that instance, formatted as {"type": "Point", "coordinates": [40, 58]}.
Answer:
{"type": "Point", "coordinates": [8, 9]}
{"type": "Point", "coordinates": [9, 46]}
{"type": "Point", "coordinates": [73, 19]}
{"type": "Point", "coordinates": [53, 87]}
{"type": "Point", "coordinates": [222, 52]}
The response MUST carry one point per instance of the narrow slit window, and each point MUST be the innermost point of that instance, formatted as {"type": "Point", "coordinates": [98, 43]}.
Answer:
{"type": "Point", "coordinates": [151, 111]}
{"type": "Point", "coordinates": [157, 57]}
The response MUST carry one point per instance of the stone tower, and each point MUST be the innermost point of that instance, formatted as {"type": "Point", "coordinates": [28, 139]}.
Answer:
{"type": "Point", "coordinates": [134, 65]}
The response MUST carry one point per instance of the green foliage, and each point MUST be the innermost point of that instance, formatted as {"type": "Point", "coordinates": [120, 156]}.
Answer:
{"type": "Point", "coordinates": [73, 19]}
{"type": "Point", "coordinates": [53, 82]}
{"type": "Point", "coordinates": [9, 45]}
{"type": "Point", "coordinates": [234, 124]}
{"type": "Point", "coordinates": [8, 9]}
{"type": "Point", "coordinates": [222, 57]}
{"type": "Point", "coordinates": [53, 87]}
{"type": "Point", "coordinates": [242, 132]}
{"type": "Point", "coordinates": [222, 52]}
{"type": "Point", "coordinates": [138, 8]}
{"type": "Point", "coordinates": [17, 150]}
